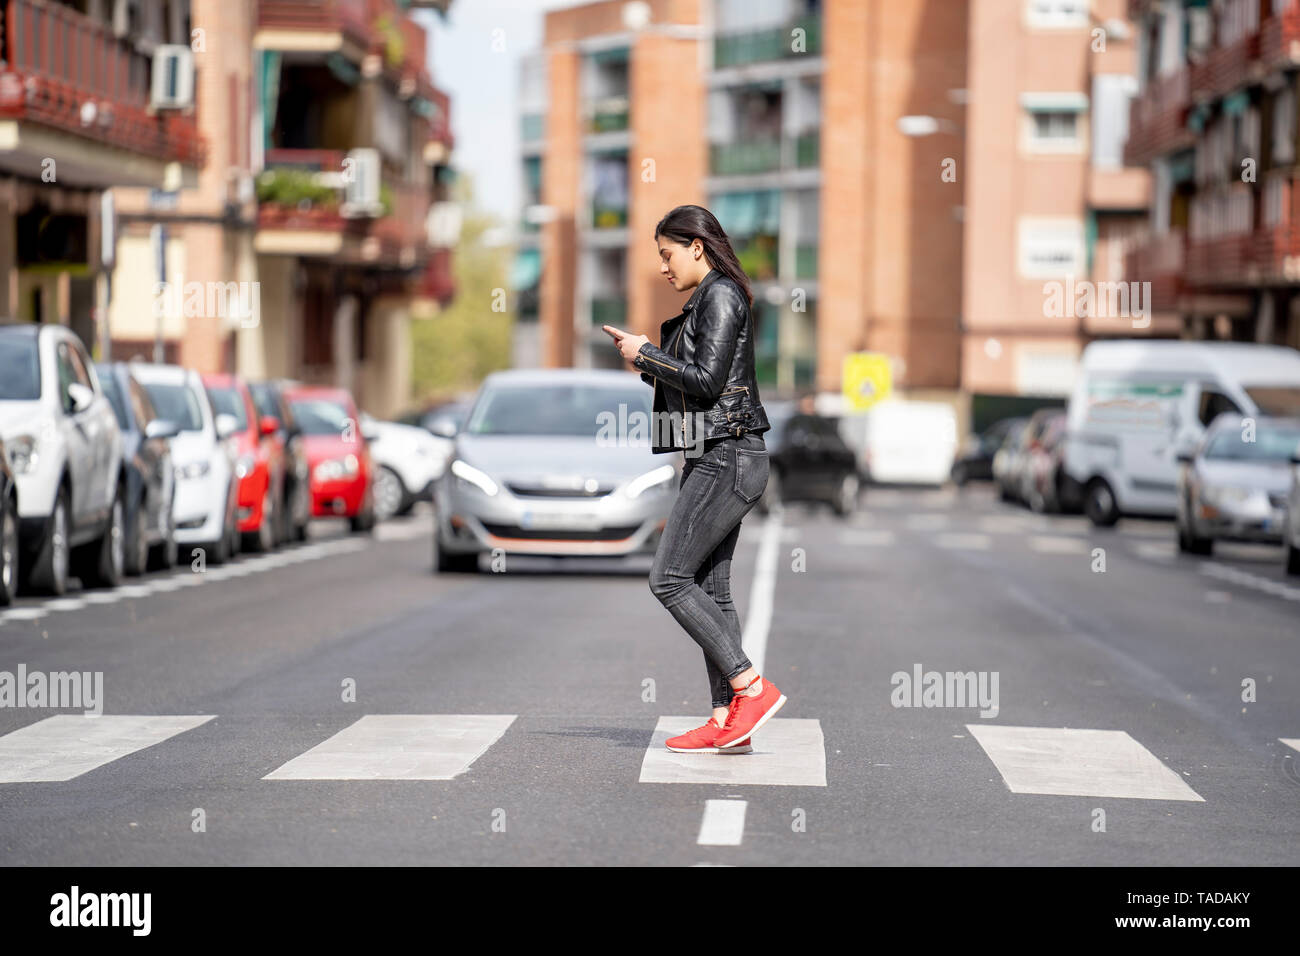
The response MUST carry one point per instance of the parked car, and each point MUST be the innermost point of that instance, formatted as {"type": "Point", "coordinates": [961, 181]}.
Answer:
{"type": "Point", "coordinates": [207, 486]}
{"type": "Point", "coordinates": [530, 474]}
{"type": "Point", "coordinates": [904, 442]}
{"type": "Point", "coordinates": [1291, 526]}
{"type": "Point", "coordinates": [342, 471]}
{"type": "Point", "coordinates": [447, 419]}
{"type": "Point", "coordinates": [1043, 485]}
{"type": "Point", "coordinates": [810, 461]}
{"type": "Point", "coordinates": [294, 509]}
{"type": "Point", "coordinates": [8, 530]}
{"type": "Point", "coordinates": [1234, 484]}
{"type": "Point", "coordinates": [65, 450]}
{"type": "Point", "coordinates": [147, 462]}
{"type": "Point", "coordinates": [1135, 402]}
{"type": "Point", "coordinates": [1006, 460]}
{"type": "Point", "coordinates": [259, 461]}
{"type": "Point", "coordinates": [407, 462]}
{"type": "Point", "coordinates": [975, 460]}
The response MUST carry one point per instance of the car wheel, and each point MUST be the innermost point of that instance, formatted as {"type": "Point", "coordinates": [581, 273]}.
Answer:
{"type": "Point", "coordinates": [445, 562]}
{"type": "Point", "coordinates": [846, 499]}
{"type": "Point", "coordinates": [1292, 558]}
{"type": "Point", "coordinates": [389, 493]}
{"type": "Point", "coordinates": [49, 572]}
{"type": "Point", "coordinates": [162, 555]}
{"type": "Point", "coordinates": [263, 539]}
{"type": "Point", "coordinates": [959, 474]}
{"type": "Point", "coordinates": [1099, 503]}
{"type": "Point", "coordinates": [137, 542]}
{"type": "Point", "coordinates": [104, 560]}
{"type": "Point", "coordinates": [8, 552]}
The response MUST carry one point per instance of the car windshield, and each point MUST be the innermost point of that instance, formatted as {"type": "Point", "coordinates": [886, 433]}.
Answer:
{"type": "Point", "coordinates": [264, 399]}
{"type": "Point", "coordinates": [1282, 402]}
{"type": "Point", "coordinates": [20, 369]}
{"type": "Point", "coordinates": [178, 404]}
{"type": "Point", "coordinates": [320, 416]}
{"type": "Point", "coordinates": [228, 401]}
{"type": "Point", "coordinates": [1270, 443]}
{"type": "Point", "coordinates": [570, 409]}
{"type": "Point", "coordinates": [109, 383]}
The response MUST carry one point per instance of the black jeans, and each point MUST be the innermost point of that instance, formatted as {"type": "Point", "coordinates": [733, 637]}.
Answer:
{"type": "Point", "coordinates": [691, 575]}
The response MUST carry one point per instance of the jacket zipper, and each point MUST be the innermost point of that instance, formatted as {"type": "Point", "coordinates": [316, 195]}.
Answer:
{"type": "Point", "coordinates": [676, 349]}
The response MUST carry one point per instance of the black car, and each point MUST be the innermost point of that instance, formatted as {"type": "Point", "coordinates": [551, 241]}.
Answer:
{"type": "Point", "coordinates": [294, 512]}
{"type": "Point", "coordinates": [810, 461]}
{"type": "Point", "coordinates": [147, 461]}
{"type": "Point", "coordinates": [8, 530]}
{"type": "Point", "coordinates": [975, 461]}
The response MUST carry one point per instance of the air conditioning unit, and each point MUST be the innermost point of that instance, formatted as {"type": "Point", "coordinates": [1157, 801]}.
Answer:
{"type": "Point", "coordinates": [361, 179]}
{"type": "Point", "coordinates": [173, 77]}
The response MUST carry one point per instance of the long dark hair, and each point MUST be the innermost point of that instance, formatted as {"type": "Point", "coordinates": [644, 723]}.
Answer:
{"type": "Point", "coordinates": [685, 224]}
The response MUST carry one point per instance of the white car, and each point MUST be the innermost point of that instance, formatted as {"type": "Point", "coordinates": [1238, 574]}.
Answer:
{"type": "Point", "coordinates": [65, 449]}
{"type": "Point", "coordinates": [207, 485]}
{"type": "Point", "coordinates": [407, 462]}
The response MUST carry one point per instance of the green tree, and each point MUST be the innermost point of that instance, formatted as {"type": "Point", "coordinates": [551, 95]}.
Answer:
{"type": "Point", "coordinates": [453, 351]}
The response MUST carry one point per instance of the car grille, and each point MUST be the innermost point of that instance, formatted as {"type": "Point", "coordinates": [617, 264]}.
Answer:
{"type": "Point", "coordinates": [551, 534]}
{"type": "Point", "coordinates": [531, 491]}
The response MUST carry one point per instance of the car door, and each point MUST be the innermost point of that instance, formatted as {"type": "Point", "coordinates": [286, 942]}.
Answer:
{"type": "Point", "coordinates": [154, 456]}
{"type": "Point", "coordinates": [78, 430]}
{"type": "Point", "coordinates": [101, 432]}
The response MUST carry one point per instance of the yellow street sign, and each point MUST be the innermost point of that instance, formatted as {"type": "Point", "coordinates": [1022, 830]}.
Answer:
{"type": "Point", "coordinates": [867, 379]}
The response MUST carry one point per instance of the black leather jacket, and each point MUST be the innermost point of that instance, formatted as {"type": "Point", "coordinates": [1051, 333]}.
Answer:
{"type": "Point", "coordinates": [703, 376]}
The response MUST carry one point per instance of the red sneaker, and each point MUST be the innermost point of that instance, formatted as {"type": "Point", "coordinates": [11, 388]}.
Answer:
{"type": "Point", "coordinates": [700, 741]}
{"type": "Point", "coordinates": [748, 714]}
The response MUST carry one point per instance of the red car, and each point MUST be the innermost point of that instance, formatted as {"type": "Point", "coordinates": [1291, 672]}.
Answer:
{"type": "Point", "coordinates": [341, 470]}
{"type": "Point", "coordinates": [259, 461]}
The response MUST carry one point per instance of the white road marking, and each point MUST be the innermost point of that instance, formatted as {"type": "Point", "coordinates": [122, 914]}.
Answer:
{"type": "Point", "coordinates": [1053, 544]}
{"type": "Point", "coordinates": [964, 541]}
{"type": "Point", "coordinates": [133, 591]}
{"type": "Point", "coordinates": [399, 747]}
{"type": "Point", "coordinates": [1084, 763]}
{"type": "Point", "coordinates": [24, 613]}
{"type": "Point", "coordinates": [1292, 742]}
{"type": "Point", "coordinates": [1255, 581]}
{"type": "Point", "coordinates": [101, 597]}
{"type": "Point", "coordinates": [723, 823]}
{"type": "Point", "coordinates": [68, 745]}
{"type": "Point", "coordinates": [1004, 524]}
{"type": "Point", "coordinates": [403, 530]}
{"type": "Point", "coordinates": [758, 618]}
{"type": "Point", "coordinates": [872, 538]}
{"type": "Point", "coordinates": [787, 753]}
{"type": "Point", "coordinates": [65, 604]}
{"type": "Point", "coordinates": [1162, 552]}
{"type": "Point", "coordinates": [926, 522]}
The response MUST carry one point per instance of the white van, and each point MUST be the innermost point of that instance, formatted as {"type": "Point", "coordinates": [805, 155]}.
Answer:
{"type": "Point", "coordinates": [901, 441]}
{"type": "Point", "coordinates": [1137, 403]}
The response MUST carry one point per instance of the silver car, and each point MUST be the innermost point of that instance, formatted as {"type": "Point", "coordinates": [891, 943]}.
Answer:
{"type": "Point", "coordinates": [1234, 484]}
{"type": "Point", "coordinates": [554, 462]}
{"type": "Point", "coordinates": [1291, 526]}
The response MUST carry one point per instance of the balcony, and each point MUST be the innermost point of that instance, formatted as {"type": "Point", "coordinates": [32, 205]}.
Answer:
{"type": "Point", "coordinates": [437, 280]}
{"type": "Point", "coordinates": [608, 310]}
{"type": "Point", "coordinates": [1161, 260]}
{"type": "Point", "coordinates": [750, 157]}
{"type": "Point", "coordinates": [773, 43]}
{"type": "Point", "coordinates": [355, 27]}
{"type": "Point", "coordinates": [805, 260]}
{"type": "Point", "coordinates": [1279, 38]}
{"type": "Point", "coordinates": [1225, 68]}
{"type": "Point", "coordinates": [608, 217]}
{"type": "Point", "coordinates": [63, 71]}
{"type": "Point", "coordinates": [348, 18]}
{"type": "Point", "coordinates": [1157, 119]}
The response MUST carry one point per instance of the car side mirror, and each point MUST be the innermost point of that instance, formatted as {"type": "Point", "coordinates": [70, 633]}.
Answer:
{"type": "Point", "coordinates": [81, 396]}
{"type": "Point", "coordinates": [227, 425]}
{"type": "Point", "coordinates": [269, 424]}
{"type": "Point", "coordinates": [444, 427]}
{"type": "Point", "coordinates": [161, 428]}
{"type": "Point", "coordinates": [369, 432]}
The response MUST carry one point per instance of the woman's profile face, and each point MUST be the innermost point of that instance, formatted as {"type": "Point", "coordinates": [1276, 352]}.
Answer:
{"type": "Point", "coordinates": [678, 264]}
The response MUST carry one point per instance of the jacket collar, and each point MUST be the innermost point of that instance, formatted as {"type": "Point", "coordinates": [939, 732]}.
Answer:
{"type": "Point", "coordinates": [707, 281]}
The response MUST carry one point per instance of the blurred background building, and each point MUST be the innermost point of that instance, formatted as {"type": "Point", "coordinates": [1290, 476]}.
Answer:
{"type": "Point", "coordinates": [1215, 122]}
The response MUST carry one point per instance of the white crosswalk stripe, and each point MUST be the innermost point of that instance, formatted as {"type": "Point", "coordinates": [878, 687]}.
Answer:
{"type": "Point", "coordinates": [787, 753]}
{"type": "Point", "coordinates": [399, 747]}
{"type": "Point", "coordinates": [1254, 581]}
{"type": "Point", "coordinates": [1055, 544]}
{"type": "Point", "coordinates": [69, 745]}
{"type": "Point", "coordinates": [868, 538]}
{"type": "Point", "coordinates": [1084, 763]}
{"type": "Point", "coordinates": [964, 541]}
{"type": "Point", "coordinates": [1292, 742]}
{"type": "Point", "coordinates": [723, 823]}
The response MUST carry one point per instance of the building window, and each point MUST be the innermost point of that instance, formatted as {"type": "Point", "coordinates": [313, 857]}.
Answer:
{"type": "Point", "coordinates": [1111, 95]}
{"type": "Point", "coordinates": [1053, 122]}
{"type": "Point", "coordinates": [1055, 128]}
{"type": "Point", "coordinates": [1056, 14]}
{"type": "Point", "coordinates": [1051, 248]}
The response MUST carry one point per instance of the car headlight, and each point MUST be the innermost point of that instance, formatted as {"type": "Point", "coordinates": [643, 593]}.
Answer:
{"type": "Point", "coordinates": [333, 469]}
{"type": "Point", "coordinates": [195, 469]}
{"type": "Point", "coordinates": [1227, 495]}
{"type": "Point", "coordinates": [651, 479]}
{"type": "Point", "coordinates": [244, 467]}
{"type": "Point", "coordinates": [23, 456]}
{"type": "Point", "coordinates": [471, 475]}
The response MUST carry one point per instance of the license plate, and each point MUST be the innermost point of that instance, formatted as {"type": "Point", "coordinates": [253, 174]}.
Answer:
{"type": "Point", "coordinates": [543, 521]}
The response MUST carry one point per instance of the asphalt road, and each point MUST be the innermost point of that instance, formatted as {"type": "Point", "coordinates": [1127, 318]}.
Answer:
{"type": "Point", "coordinates": [538, 692]}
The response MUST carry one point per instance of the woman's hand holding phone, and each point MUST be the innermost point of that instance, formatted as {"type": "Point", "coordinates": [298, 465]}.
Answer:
{"type": "Point", "coordinates": [626, 343]}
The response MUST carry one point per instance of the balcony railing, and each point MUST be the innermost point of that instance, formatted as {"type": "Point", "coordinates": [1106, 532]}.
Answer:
{"type": "Point", "coordinates": [1160, 260]}
{"type": "Point", "coordinates": [349, 17]}
{"type": "Point", "coordinates": [1279, 37]}
{"type": "Point", "coordinates": [1157, 119]}
{"type": "Point", "coordinates": [765, 155]}
{"type": "Point", "coordinates": [773, 43]}
{"type": "Point", "coordinates": [608, 217]}
{"type": "Point", "coordinates": [55, 63]}
{"type": "Point", "coordinates": [805, 261]}
{"type": "Point", "coordinates": [608, 310]}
